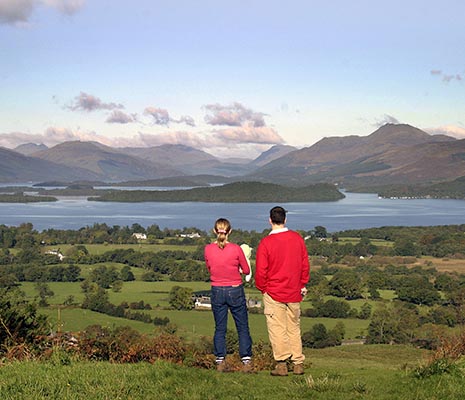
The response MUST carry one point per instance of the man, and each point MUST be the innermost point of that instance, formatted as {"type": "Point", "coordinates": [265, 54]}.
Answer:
{"type": "Point", "coordinates": [282, 271]}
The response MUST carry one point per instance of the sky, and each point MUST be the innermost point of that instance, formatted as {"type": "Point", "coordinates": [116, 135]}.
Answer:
{"type": "Point", "coordinates": [232, 78]}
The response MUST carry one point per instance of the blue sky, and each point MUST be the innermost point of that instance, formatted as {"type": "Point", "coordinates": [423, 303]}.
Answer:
{"type": "Point", "coordinates": [229, 77]}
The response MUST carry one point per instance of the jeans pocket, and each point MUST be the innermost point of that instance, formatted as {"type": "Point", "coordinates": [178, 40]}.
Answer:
{"type": "Point", "coordinates": [216, 298]}
{"type": "Point", "coordinates": [237, 296]}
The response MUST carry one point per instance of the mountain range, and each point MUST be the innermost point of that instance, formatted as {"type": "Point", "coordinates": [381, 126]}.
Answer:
{"type": "Point", "coordinates": [393, 154]}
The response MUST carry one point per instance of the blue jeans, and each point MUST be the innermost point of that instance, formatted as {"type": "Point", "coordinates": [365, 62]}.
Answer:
{"type": "Point", "coordinates": [231, 298]}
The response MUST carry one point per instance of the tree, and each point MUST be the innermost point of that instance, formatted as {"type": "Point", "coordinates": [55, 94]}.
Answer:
{"type": "Point", "coordinates": [126, 274]}
{"type": "Point", "coordinates": [320, 232]}
{"type": "Point", "coordinates": [316, 337]}
{"type": "Point", "coordinates": [365, 311]}
{"type": "Point", "coordinates": [364, 248]}
{"type": "Point", "coordinates": [180, 298]}
{"type": "Point", "coordinates": [406, 247]}
{"type": "Point", "coordinates": [104, 277]}
{"type": "Point", "coordinates": [346, 284]}
{"type": "Point", "coordinates": [394, 324]}
{"type": "Point", "coordinates": [417, 289]}
{"type": "Point", "coordinates": [334, 309]}
{"type": "Point", "coordinates": [96, 299]}
{"type": "Point", "coordinates": [319, 337]}
{"type": "Point", "coordinates": [189, 270]}
{"type": "Point", "coordinates": [19, 320]}
{"type": "Point", "coordinates": [44, 292]}
{"type": "Point", "coordinates": [446, 283]}
{"type": "Point", "coordinates": [71, 273]}
{"type": "Point", "coordinates": [117, 286]}
{"type": "Point", "coordinates": [443, 316]}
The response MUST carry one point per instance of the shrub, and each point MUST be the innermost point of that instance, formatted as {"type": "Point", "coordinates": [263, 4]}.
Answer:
{"type": "Point", "coordinates": [20, 324]}
{"type": "Point", "coordinates": [436, 367]}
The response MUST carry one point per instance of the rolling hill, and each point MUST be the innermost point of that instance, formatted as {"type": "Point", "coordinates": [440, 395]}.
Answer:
{"type": "Point", "coordinates": [16, 167]}
{"type": "Point", "coordinates": [188, 160]}
{"type": "Point", "coordinates": [104, 163]}
{"type": "Point", "coordinates": [392, 154]}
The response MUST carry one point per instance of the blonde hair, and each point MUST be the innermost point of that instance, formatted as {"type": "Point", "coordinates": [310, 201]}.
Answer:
{"type": "Point", "coordinates": [222, 229]}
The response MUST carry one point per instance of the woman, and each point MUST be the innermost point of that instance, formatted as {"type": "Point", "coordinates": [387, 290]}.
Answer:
{"type": "Point", "coordinates": [226, 261]}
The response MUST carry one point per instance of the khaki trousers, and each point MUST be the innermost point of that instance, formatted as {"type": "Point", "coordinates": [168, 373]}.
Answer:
{"type": "Point", "coordinates": [283, 322]}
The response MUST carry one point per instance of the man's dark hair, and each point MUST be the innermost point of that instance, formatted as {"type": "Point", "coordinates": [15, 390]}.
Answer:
{"type": "Point", "coordinates": [278, 215]}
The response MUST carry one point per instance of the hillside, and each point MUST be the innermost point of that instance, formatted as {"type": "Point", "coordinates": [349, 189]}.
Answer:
{"type": "Point", "coordinates": [454, 189]}
{"type": "Point", "coordinates": [188, 160]}
{"type": "Point", "coordinates": [391, 154]}
{"type": "Point", "coordinates": [16, 167]}
{"type": "Point", "coordinates": [103, 162]}
{"type": "Point", "coordinates": [30, 148]}
{"type": "Point", "coordinates": [273, 153]}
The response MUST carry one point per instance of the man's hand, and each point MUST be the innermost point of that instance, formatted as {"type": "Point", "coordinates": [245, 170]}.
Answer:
{"type": "Point", "coordinates": [303, 291]}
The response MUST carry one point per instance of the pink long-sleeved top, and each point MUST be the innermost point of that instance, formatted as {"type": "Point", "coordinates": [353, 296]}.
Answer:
{"type": "Point", "coordinates": [224, 264]}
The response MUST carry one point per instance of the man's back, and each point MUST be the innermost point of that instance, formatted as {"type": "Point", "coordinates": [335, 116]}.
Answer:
{"type": "Point", "coordinates": [282, 267]}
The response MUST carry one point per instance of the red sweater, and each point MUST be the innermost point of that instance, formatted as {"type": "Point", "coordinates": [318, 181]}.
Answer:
{"type": "Point", "coordinates": [224, 264]}
{"type": "Point", "coordinates": [282, 266]}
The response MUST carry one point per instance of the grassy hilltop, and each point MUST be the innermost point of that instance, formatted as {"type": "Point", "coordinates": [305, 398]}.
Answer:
{"type": "Point", "coordinates": [379, 372]}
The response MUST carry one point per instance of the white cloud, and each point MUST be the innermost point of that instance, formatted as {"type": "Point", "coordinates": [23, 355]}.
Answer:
{"type": "Point", "coordinates": [55, 135]}
{"type": "Point", "coordinates": [449, 130]}
{"type": "Point", "coordinates": [88, 102]}
{"type": "Point", "coordinates": [248, 134]}
{"type": "Point", "coordinates": [185, 119]}
{"type": "Point", "coordinates": [233, 115]}
{"type": "Point", "coordinates": [120, 117]}
{"type": "Point", "coordinates": [160, 116]}
{"type": "Point", "coordinates": [68, 7]}
{"type": "Point", "coordinates": [14, 139]}
{"type": "Point", "coordinates": [248, 141]}
{"type": "Point", "coordinates": [18, 12]}
{"type": "Point", "coordinates": [446, 77]}
{"type": "Point", "coordinates": [385, 119]}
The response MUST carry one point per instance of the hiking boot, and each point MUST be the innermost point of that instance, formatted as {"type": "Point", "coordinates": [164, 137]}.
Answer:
{"type": "Point", "coordinates": [221, 367]}
{"type": "Point", "coordinates": [280, 369]}
{"type": "Point", "coordinates": [298, 369]}
{"type": "Point", "coordinates": [247, 368]}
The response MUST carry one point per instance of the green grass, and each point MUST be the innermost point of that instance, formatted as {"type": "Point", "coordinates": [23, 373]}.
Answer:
{"type": "Point", "coordinates": [97, 249]}
{"type": "Point", "coordinates": [356, 240]}
{"type": "Point", "coordinates": [343, 373]}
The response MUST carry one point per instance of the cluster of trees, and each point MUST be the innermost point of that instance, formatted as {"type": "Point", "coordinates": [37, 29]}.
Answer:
{"type": "Point", "coordinates": [436, 241]}
{"type": "Point", "coordinates": [100, 233]}
{"type": "Point", "coordinates": [444, 190]}
{"type": "Point", "coordinates": [232, 192]}
{"type": "Point", "coordinates": [337, 309]}
{"type": "Point", "coordinates": [22, 198]}
{"type": "Point", "coordinates": [96, 299]}
{"type": "Point", "coordinates": [415, 285]}
{"type": "Point", "coordinates": [319, 336]}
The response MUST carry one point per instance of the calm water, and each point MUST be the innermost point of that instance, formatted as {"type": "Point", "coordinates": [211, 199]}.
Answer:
{"type": "Point", "coordinates": [355, 211]}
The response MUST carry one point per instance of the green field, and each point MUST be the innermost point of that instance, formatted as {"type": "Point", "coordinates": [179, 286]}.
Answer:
{"type": "Point", "coordinates": [97, 249]}
{"type": "Point", "coordinates": [355, 240]}
{"type": "Point", "coordinates": [190, 323]}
